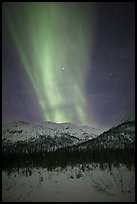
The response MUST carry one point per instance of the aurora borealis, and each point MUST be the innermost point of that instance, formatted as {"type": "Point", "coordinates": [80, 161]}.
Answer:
{"type": "Point", "coordinates": [55, 56]}
{"type": "Point", "coordinates": [55, 44]}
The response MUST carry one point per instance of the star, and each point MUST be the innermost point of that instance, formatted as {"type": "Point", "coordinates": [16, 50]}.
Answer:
{"type": "Point", "coordinates": [110, 74]}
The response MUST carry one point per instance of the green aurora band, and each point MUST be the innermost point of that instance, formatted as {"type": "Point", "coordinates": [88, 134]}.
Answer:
{"type": "Point", "coordinates": [52, 41]}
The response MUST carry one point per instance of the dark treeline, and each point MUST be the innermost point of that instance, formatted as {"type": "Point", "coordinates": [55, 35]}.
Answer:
{"type": "Point", "coordinates": [66, 156]}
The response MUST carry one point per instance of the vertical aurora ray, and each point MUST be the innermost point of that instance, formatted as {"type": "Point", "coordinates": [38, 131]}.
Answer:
{"type": "Point", "coordinates": [52, 40]}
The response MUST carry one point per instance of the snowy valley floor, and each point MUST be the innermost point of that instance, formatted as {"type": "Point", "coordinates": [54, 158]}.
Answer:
{"type": "Point", "coordinates": [70, 184]}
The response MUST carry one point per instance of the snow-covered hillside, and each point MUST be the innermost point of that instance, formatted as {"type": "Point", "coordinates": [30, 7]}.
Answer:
{"type": "Point", "coordinates": [119, 137]}
{"type": "Point", "coordinates": [50, 135]}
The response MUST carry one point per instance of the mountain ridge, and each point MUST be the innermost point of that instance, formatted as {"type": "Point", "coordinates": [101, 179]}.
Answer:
{"type": "Point", "coordinates": [51, 136]}
{"type": "Point", "coordinates": [118, 137]}
{"type": "Point", "coordinates": [58, 135]}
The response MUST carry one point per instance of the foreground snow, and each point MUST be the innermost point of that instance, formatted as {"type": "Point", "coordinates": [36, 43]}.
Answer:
{"type": "Point", "coordinates": [79, 183]}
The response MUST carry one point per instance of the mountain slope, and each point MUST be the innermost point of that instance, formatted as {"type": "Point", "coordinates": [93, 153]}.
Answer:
{"type": "Point", "coordinates": [47, 136]}
{"type": "Point", "coordinates": [119, 137]}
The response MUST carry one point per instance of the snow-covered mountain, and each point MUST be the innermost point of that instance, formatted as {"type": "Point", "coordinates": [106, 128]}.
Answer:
{"type": "Point", "coordinates": [119, 137]}
{"type": "Point", "coordinates": [48, 135]}
{"type": "Point", "coordinates": [51, 136]}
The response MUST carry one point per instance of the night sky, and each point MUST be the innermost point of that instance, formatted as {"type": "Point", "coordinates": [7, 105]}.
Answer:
{"type": "Point", "coordinates": [68, 62]}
